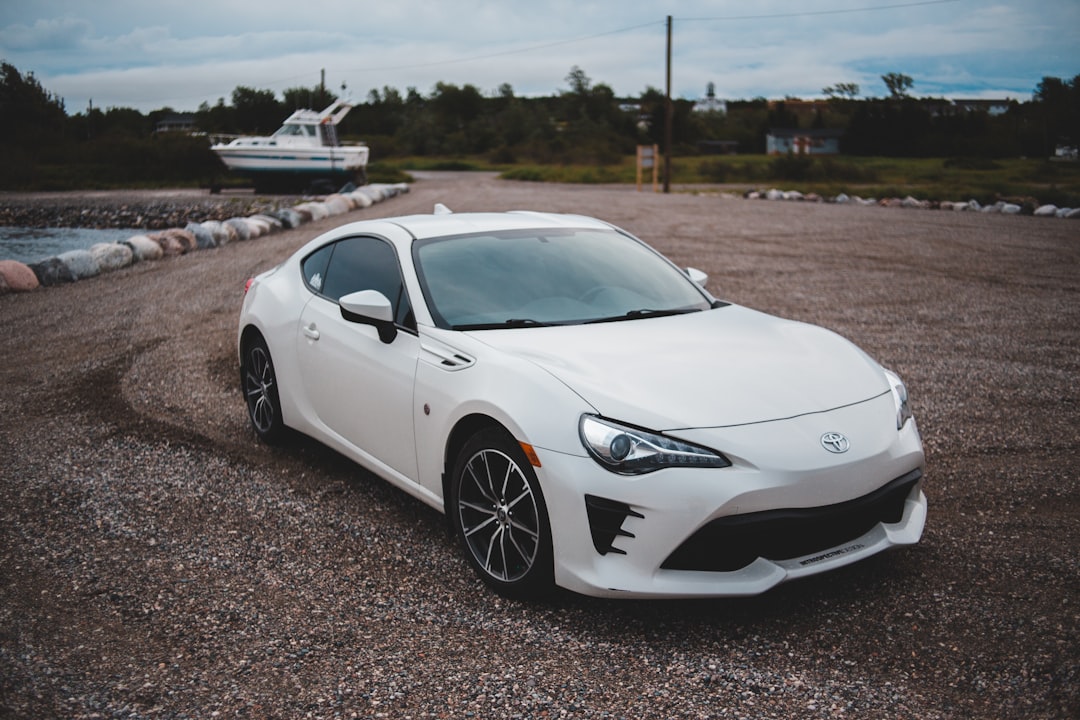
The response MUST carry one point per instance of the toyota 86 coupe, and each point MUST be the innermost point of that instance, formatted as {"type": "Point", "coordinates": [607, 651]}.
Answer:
{"type": "Point", "coordinates": [585, 413]}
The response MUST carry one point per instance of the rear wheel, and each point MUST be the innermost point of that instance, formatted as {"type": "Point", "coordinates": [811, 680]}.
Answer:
{"type": "Point", "coordinates": [499, 515]}
{"type": "Point", "coordinates": [260, 391]}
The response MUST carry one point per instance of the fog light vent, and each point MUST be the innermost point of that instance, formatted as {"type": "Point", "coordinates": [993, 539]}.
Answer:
{"type": "Point", "coordinates": [605, 522]}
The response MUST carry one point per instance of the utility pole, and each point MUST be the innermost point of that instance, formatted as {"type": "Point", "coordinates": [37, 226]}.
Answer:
{"type": "Point", "coordinates": [669, 115]}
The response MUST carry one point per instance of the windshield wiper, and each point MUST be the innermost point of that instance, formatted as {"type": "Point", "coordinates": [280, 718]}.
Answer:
{"type": "Point", "coordinates": [644, 313]}
{"type": "Point", "coordinates": [510, 323]}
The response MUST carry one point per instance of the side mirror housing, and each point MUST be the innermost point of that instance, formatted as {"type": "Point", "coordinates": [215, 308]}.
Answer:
{"type": "Point", "coordinates": [699, 278]}
{"type": "Point", "coordinates": [370, 307]}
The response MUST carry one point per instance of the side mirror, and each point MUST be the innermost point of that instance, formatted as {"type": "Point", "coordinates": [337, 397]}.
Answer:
{"type": "Point", "coordinates": [697, 277]}
{"type": "Point", "coordinates": [370, 307]}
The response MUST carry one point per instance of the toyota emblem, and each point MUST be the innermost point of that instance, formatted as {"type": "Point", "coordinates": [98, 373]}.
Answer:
{"type": "Point", "coordinates": [835, 442]}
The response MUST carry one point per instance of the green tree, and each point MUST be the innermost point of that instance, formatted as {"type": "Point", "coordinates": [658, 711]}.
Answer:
{"type": "Point", "coordinates": [314, 98]}
{"type": "Point", "coordinates": [898, 84]}
{"type": "Point", "coordinates": [256, 111]}
{"type": "Point", "coordinates": [842, 91]}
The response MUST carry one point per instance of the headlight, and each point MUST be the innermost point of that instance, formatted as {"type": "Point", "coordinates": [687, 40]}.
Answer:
{"type": "Point", "coordinates": [631, 451]}
{"type": "Point", "coordinates": [900, 398]}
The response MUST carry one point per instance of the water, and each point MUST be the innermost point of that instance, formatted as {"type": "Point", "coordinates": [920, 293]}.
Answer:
{"type": "Point", "coordinates": [29, 245]}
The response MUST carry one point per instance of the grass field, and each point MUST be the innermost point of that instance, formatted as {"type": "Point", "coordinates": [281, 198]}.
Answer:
{"type": "Point", "coordinates": [1041, 181]}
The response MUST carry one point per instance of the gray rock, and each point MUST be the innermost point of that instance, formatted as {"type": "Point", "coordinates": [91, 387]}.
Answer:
{"type": "Point", "coordinates": [112, 256]}
{"type": "Point", "coordinates": [203, 237]}
{"type": "Point", "coordinates": [240, 227]}
{"type": "Point", "coordinates": [52, 271]}
{"type": "Point", "coordinates": [81, 263]}
{"type": "Point", "coordinates": [143, 248]}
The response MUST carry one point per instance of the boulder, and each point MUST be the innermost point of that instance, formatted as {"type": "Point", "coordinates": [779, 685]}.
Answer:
{"type": "Point", "coordinates": [186, 239]}
{"type": "Point", "coordinates": [217, 231]}
{"type": "Point", "coordinates": [17, 277]}
{"type": "Point", "coordinates": [374, 192]}
{"type": "Point", "coordinates": [360, 199]}
{"type": "Point", "coordinates": [1073, 214]}
{"type": "Point", "coordinates": [270, 221]}
{"type": "Point", "coordinates": [290, 218]}
{"type": "Point", "coordinates": [143, 248]}
{"type": "Point", "coordinates": [1063, 212]}
{"type": "Point", "coordinates": [240, 227]}
{"type": "Point", "coordinates": [112, 256]}
{"type": "Point", "coordinates": [81, 263]}
{"type": "Point", "coordinates": [317, 210]}
{"type": "Point", "coordinates": [841, 199]}
{"type": "Point", "coordinates": [336, 205]}
{"type": "Point", "coordinates": [203, 237]}
{"type": "Point", "coordinates": [1045, 211]}
{"type": "Point", "coordinates": [1010, 209]}
{"type": "Point", "coordinates": [170, 246]}
{"type": "Point", "coordinates": [258, 227]}
{"type": "Point", "coordinates": [51, 271]}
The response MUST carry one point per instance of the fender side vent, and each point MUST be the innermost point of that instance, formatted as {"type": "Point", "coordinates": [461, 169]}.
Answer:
{"type": "Point", "coordinates": [605, 522]}
{"type": "Point", "coordinates": [446, 357]}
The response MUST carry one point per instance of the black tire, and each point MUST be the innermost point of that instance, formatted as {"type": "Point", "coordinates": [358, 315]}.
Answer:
{"type": "Point", "coordinates": [259, 383]}
{"type": "Point", "coordinates": [498, 513]}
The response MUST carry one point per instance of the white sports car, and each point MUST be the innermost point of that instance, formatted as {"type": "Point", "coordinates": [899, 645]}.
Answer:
{"type": "Point", "coordinates": [585, 413]}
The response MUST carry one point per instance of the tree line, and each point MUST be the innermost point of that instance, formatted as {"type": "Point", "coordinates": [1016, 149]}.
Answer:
{"type": "Point", "coordinates": [584, 124]}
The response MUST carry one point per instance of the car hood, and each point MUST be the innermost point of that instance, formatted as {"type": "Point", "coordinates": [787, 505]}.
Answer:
{"type": "Point", "coordinates": [722, 367]}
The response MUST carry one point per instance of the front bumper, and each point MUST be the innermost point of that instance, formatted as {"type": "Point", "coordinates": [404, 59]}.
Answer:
{"type": "Point", "coordinates": [741, 530]}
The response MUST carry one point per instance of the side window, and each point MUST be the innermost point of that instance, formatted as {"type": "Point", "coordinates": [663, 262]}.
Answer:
{"type": "Point", "coordinates": [314, 268]}
{"type": "Point", "coordinates": [367, 263]}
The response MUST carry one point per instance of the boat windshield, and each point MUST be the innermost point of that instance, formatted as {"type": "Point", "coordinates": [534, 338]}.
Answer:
{"type": "Point", "coordinates": [297, 130]}
{"type": "Point", "coordinates": [548, 277]}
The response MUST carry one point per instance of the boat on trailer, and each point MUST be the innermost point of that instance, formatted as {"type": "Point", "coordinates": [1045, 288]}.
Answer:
{"type": "Point", "coordinates": [304, 154]}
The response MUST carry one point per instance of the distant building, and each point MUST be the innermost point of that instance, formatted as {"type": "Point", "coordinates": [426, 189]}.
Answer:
{"type": "Point", "coordinates": [990, 107]}
{"type": "Point", "coordinates": [710, 103]}
{"type": "Point", "coordinates": [781, 141]}
{"type": "Point", "coordinates": [176, 122]}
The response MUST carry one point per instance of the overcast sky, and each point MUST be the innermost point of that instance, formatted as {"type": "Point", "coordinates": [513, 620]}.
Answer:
{"type": "Point", "coordinates": [149, 54]}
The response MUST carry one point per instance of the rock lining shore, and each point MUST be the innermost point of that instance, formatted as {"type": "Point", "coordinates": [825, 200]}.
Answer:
{"type": "Point", "coordinates": [184, 227]}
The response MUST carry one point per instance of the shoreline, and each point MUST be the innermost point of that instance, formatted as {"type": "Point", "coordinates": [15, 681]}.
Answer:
{"type": "Point", "coordinates": [145, 209]}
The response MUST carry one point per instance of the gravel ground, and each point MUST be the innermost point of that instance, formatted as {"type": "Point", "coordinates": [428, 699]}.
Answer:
{"type": "Point", "coordinates": [157, 562]}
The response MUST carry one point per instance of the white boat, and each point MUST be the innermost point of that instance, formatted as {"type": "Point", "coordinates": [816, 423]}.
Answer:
{"type": "Point", "coordinates": [305, 152]}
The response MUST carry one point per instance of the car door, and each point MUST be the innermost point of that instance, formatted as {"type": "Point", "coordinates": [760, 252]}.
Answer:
{"type": "Point", "coordinates": [360, 387]}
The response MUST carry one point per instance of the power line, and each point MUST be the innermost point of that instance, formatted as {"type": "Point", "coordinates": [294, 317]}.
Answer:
{"type": "Point", "coordinates": [809, 13]}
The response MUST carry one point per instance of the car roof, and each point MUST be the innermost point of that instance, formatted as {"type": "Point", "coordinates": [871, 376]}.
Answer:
{"type": "Point", "coordinates": [444, 223]}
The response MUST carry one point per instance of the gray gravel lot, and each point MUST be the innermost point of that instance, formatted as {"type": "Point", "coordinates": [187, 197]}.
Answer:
{"type": "Point", "coordinates": [157, 562]}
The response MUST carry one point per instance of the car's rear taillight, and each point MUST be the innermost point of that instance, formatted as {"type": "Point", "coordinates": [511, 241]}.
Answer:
{"type": "Point", "coordinates": [247, 285]}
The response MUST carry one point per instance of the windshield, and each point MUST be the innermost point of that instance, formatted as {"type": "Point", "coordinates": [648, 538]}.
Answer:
{"type": "Point", "coordinates": [548, 277]}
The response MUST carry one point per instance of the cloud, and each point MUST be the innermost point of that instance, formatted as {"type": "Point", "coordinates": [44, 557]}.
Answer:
{"type": "Point", "coordinates": [46, 35]}
{"type": "Point", "coordinates": [179, 53]}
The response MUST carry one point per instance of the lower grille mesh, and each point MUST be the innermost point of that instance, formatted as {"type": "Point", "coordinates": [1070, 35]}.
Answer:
{"type": "Point", "coordinates": [732, 543]}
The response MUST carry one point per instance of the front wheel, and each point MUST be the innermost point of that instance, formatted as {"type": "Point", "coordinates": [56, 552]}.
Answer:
{"type": "Point", "coordinates": [261, 392]}
{"type": "Point", "coordinates": [499, 515]}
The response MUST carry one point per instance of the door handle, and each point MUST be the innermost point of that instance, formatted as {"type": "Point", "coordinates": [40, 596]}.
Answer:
{"type": "Point", "coordinates": [311, 331]}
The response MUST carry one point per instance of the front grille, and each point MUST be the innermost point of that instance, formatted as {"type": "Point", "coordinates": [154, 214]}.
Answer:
{"type": "Point", "coordinates": [732, 543]}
